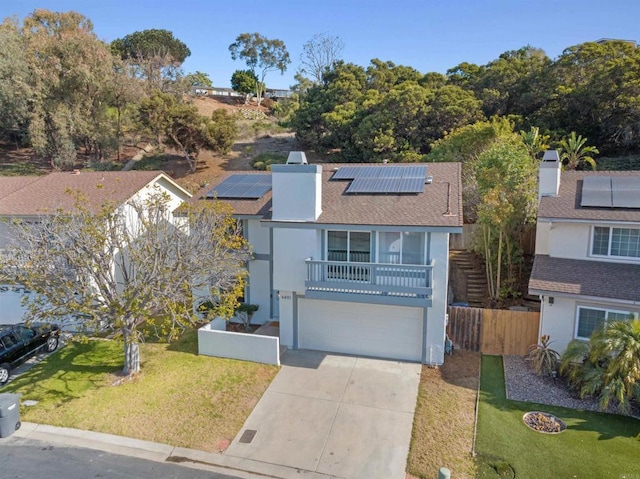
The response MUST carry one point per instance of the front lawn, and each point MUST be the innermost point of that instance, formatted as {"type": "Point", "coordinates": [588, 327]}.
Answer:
{"type": "Point", "coordinates": [179, 398]}
{"type": "Point", "coordinates": [444, 418]}
{"type": "Point", "coordinates": [595, 445]}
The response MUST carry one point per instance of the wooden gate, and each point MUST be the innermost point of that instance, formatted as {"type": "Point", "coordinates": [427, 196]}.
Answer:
{"type": "Point", "coordinates": [493, 331]}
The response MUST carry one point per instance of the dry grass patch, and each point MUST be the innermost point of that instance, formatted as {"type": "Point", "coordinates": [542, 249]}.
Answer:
{"type": "Point", "coordinates": [444, 419]}
{"type": "Point", "coordinates": [179, 398]}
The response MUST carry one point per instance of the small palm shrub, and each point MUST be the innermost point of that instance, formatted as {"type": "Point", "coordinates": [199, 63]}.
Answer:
{"type": "Point", "coordinates": [543, 358]}
{"type": "Point", "coordinates": [607, 366]}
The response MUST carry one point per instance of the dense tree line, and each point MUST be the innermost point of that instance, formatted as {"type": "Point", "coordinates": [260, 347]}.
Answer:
{"type": "Point", "coordinates": [63, 90]}
{"type": "Point", "coordinates": [387, 111]}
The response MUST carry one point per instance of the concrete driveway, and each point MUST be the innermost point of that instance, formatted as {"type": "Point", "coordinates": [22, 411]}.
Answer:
{"type": "Point", "coordinates": [343, 416]}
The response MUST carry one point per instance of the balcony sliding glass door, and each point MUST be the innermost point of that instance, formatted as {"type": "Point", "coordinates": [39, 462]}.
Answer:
{"type": "Point", "coordinates": [349, 247]}
{"type": "Point", "coordinates": [401, 248]}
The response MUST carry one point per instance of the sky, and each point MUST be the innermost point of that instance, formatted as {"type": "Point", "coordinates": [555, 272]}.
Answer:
{"type": "Point", "coordinates": [428, 35]}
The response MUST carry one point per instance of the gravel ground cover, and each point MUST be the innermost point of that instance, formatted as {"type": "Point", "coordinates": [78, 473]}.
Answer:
{"type": "Point", "coordinates": [524, 385]}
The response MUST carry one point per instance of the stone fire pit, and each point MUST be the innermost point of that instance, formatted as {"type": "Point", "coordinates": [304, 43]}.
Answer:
{"type": "Point", "coordinates": [544, 422]}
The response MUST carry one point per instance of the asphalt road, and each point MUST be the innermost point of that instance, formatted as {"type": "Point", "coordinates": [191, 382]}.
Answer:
{"type": "Point", "coordinates": [30, 459]}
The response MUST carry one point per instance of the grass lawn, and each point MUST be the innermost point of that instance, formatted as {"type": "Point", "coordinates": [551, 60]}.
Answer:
{"type": "Point", "coordinates": [179, 398]}
{"type": "Point", "coordinates": [595, 445]}
{"type": "Point", "coordinates": [444, 418]}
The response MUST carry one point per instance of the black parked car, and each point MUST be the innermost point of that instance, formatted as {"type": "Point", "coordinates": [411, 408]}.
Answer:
{"type": "Point", "coordinates": [19, 341]}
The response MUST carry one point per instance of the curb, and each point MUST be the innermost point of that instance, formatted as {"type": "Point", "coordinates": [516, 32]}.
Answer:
{"type": "Point", "coordinates": [153, 451]}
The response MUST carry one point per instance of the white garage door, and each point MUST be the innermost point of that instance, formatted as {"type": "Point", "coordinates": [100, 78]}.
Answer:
{"type": "Point", "coordinates": [362, 329]}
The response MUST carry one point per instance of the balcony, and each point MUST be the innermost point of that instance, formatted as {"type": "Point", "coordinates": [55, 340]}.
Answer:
{"type": "Point", "coordinates": [399, 284]}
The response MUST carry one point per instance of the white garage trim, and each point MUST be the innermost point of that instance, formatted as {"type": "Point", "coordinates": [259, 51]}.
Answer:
{"type": "Point", "coordinates": [394, 332]}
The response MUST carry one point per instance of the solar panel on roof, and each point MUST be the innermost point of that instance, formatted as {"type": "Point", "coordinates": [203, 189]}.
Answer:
{"type": "Point", "coordinates": [412, 185]}
{"type": "Point", "coordinates": [346, 172]}
{"type": "Point", "coordinates": [387, 179]}
{"type": "Point", "coordinates": [242, 186]}
{"type": "Point", "coordinates": [415, 171]}
{"type": "Point", "coordinates": [625, 192]}
{"type": "Point", "coordinates": [596, 191]}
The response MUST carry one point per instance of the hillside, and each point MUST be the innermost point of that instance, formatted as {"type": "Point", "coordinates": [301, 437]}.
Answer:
{"type": "Point", "coordinates": [255, 137]}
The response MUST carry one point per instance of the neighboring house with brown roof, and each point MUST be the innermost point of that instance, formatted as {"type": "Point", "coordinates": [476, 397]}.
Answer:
{"type": "Point", "coordinates": [27, 198]}
{"type": "Point", "coordinates": [349, 258]}
{"type": "Point", "coordinates": [587, 264]}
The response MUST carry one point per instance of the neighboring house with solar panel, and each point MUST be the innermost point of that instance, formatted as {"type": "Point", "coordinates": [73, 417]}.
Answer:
{"type": "Point", "coordinates": [587, 263]}
{"type": "Point", "coordinates": [27, 198]}
{"type": "Point", "coordinates": [349, 258]}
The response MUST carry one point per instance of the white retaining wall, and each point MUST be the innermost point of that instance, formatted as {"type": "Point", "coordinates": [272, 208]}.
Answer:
{"type": "Point", "coordinates": [247, 347]}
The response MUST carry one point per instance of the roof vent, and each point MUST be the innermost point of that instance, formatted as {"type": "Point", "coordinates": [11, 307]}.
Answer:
{"type": "Point", "coordinates": [297, 158]}
{"type": "Point", "coordinates": [428, 180]}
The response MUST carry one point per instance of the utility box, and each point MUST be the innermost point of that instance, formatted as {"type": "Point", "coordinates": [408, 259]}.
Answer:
{"type": "Point", "coordinates": [9, 414]}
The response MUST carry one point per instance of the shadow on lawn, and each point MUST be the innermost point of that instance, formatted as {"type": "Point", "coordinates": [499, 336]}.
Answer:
{"type": "Point", "coordinates": [187, 343]}
{"type": "Point", "coordinates": [608, 426]}
{"type": "Point", "coordinates": [66, 374]}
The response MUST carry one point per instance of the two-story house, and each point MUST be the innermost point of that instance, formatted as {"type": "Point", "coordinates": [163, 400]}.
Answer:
{"type": "Point", "coordinates": [27, 198]}
{"type": "Point", "coordinates": [350, 258]}
{"type": "Point", "coordinates": [587, 263]}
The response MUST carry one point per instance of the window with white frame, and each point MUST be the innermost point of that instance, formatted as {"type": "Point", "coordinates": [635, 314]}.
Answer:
{"type": "Point", "coordinates": [352, 246]}
{"type": "Point", "coordinates": [401, 248]}
{"type": "Point", "coordinates": [591, 319]}
{"type": "Point", "coordinates": [621, 242]}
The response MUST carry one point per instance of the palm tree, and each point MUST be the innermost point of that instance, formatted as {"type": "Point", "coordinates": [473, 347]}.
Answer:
{"type": "Point", "coordinates": [575, 153]}
{"type": "Point", "coordinates": [534, 141]}
{"type": "Point", "coordinates": [608, 366]}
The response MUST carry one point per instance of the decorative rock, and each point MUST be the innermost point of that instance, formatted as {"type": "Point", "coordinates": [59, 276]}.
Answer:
{"type": "Point", "coordinates": [544, 422]}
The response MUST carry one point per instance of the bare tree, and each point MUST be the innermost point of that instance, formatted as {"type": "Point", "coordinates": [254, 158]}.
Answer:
{"type": "Point", "coordinates": [131, 265]}
{"type": "Point", "coordinates": [319, 54]}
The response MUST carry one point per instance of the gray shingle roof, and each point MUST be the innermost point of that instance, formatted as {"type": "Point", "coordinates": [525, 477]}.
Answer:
{"type": "Point", "coordinates": [440, 204]}
{"type": "Point", "coordinates": [567, 204]}
{"type": "Point", "coordinates": [585, 277]}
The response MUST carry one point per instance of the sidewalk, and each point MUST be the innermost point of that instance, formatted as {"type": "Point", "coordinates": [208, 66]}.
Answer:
{"type": "Point", "coordinates": [220, 463]}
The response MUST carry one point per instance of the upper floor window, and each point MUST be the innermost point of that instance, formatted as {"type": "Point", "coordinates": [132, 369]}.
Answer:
{"type": "Point", "coordinates": [401, 248]}
{"type": "Point", "coordinates": [623, 242]}
{"type": "Point", "coordinates": [590, 319]}
{"type": "Point", "coordinates": [353, 246]}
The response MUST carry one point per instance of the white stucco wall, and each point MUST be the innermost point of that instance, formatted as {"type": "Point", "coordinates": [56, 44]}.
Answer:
{"type": "Point", "coordinates": [286, 317]}
{"type": "Point", "coordinates": [247, 347]}
{"type": "Point", "coordinates": [297, 192]}
{"type": "Point", "coordinates": [5, 232]}
{"type": "Point", "coordinates": [258, 237]}
{"type": "Point", "coordinates": [11, 309]}
{"type": "Point", "coordinates": [291, 247]}
{"type": "Point", "coordinates": [569, 240]}
{"type": "Point", "coordinates": [260, 290]}
{"type": "Point", "coordinates": [543, 234]}
{"type": "Point", "coordinates": [557, 321]}
{"type": "Point", "coordinates": [435, 331]}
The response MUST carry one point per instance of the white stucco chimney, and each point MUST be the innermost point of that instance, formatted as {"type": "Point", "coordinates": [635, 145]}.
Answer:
{"type": "Point", "coordinates": [296, 189]}
{"type": "Point", "coordinates": [549, 174]}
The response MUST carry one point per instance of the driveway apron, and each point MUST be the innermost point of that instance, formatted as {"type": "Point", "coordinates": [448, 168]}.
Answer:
{"type": "Point", "coordinates": [344, 416]}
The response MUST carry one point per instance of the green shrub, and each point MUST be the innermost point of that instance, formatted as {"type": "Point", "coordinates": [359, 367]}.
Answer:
{"type": "Point", "coordinates": [607, 366]}
{"type": "Point", "coordinates": [543, 358]}
{"type": "Point", "coordinates": [149, 163]}
{"type": "Point", "coordinates": [264, 161]}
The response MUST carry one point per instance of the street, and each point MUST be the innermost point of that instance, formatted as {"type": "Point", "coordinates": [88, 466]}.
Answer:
{"type": "Point", "coordinates": [22, 458]}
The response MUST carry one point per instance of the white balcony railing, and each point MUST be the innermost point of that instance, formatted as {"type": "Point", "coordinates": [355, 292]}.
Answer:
{"type": "Point", "coordinates": [373, 279]}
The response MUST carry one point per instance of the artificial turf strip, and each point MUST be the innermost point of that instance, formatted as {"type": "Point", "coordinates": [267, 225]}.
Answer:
{"type": "Point", "coordinates": [595, 445]}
